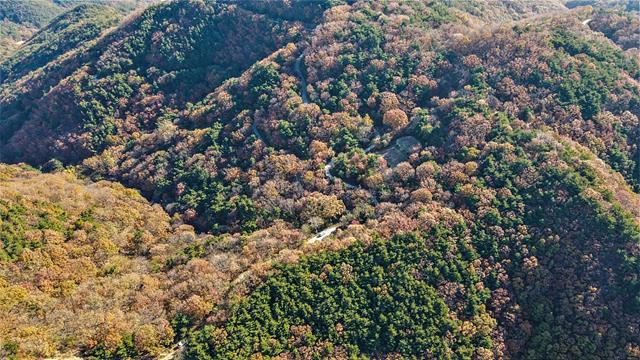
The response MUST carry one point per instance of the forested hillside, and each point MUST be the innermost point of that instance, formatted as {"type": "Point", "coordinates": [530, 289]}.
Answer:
{"type": "Point", "coordinates": [21, 19]}
{"type": "Point", "coordinates": [94, 267]}
{"type": "Point", "coordinates": [329, 179]}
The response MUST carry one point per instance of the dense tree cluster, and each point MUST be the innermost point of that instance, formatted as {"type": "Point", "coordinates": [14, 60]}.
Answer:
{"type": "Point", "coordinates": [387, 298]}
{"type": "Point", "coordinates": [36, 13]}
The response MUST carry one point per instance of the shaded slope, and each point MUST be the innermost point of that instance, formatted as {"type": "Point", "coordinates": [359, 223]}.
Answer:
{"type": "Point", "coordinates": [172, 53]}
{"type": "Point", "coordinates": [21, 19]}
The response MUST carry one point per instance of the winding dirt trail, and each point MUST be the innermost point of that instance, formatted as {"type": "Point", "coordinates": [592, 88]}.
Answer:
{"type": "Point", "coordinates": [303, 80]}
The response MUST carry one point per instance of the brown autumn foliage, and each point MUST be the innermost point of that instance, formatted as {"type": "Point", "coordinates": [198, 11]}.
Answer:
{"type": "Point", "coordinates": [98, 263]}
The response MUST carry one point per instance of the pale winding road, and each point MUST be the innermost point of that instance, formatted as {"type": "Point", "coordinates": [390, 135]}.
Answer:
{"type": "Point", "coordinates": [303, 80]}
{"type": "Point", "coordinates": [323, 234]}
{"type": "Point", "coordinates": [297, 67]}
{"type": "Point", "coordinates": [176, 351]}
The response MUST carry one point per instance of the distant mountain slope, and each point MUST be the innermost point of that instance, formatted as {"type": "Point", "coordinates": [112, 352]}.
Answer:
{"type": "Point", "coordinates": [505, 10]}
{"type": "Point", "coordinates": [628, 5]}
{"type": "Point", "coordinates": [20, 19]}
{"type": "Point", "coordinates": [31, 13]}
{"type": "Point", "coordinates": [67, 32]}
